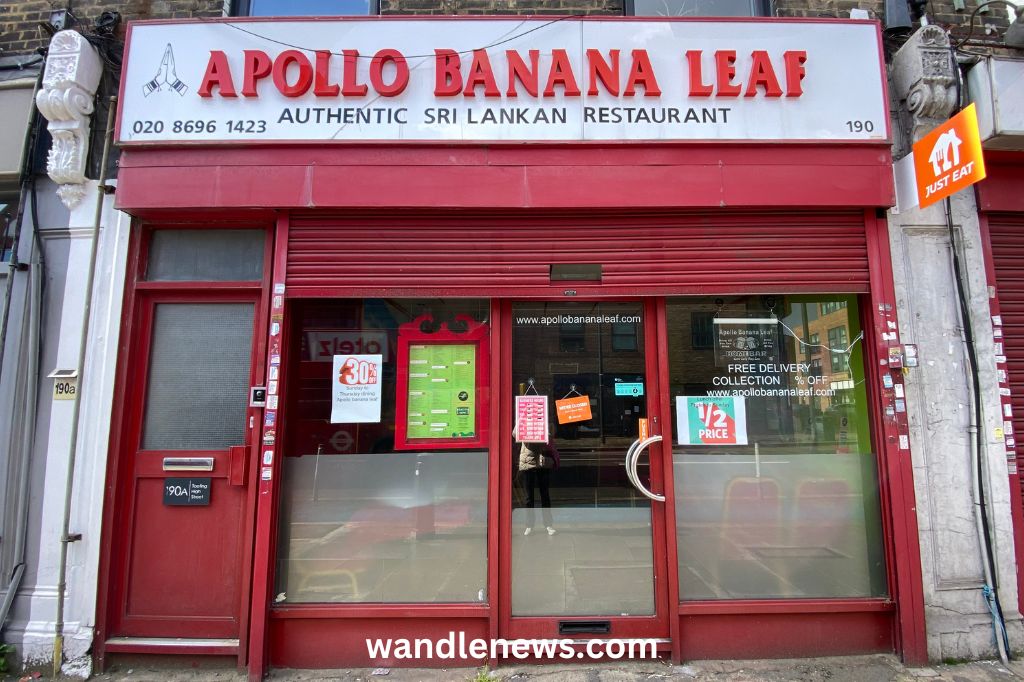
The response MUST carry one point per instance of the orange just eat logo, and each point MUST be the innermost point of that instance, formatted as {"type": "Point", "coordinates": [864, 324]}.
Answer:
{"type": "Point", "coordinates": [949, 158]}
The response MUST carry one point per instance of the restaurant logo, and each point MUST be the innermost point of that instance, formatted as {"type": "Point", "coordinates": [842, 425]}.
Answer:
{"type": "Point", "coordinates": [166, 77]}
{"type": "Point", "coordinates": [949, 158]}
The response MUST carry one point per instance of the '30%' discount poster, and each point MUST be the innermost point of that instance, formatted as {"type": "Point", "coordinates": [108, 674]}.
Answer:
{"type": "Point", "coordinates": [355, 389]}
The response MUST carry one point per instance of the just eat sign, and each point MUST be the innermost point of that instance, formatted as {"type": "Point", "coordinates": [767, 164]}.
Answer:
{"type": "Point", "coordinates": [949, 158]}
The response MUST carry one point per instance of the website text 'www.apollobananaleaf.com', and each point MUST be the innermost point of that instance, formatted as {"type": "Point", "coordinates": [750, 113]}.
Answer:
{"type": "Point", "coordinates": [456, 646]}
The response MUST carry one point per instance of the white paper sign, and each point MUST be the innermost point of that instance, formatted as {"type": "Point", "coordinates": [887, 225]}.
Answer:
{"type": "Point", "coordinates": [399, 80]}
{"type": "Point", "coordinates": [356, 389]}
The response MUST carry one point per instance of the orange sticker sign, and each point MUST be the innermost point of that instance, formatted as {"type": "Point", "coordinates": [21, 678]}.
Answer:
{"type": "Point", "coordinates": [574, 409]}
{"type": "Point", "coordinates": [949, 158]}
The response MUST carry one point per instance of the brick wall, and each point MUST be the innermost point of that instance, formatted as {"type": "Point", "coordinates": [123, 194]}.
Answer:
{"type": "Point", "coordinates": [20, 32]}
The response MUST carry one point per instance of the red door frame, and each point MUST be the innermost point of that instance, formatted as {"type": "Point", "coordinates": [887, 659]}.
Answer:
{"type": "Point", "coordinates": [651, 627]}
{"type": "Point", "coordinates": [131, 371]}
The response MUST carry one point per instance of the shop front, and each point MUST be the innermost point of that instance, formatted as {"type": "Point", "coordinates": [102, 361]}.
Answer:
{"type": "Point", "coordinates": [612, 360]}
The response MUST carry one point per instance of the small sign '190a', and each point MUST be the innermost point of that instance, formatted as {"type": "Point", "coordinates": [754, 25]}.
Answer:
{"type": "Point", "coordinates": [187, 492]}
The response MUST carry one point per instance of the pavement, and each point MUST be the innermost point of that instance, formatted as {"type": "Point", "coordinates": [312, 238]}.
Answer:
{"type": "Point", "coordinates": [875, 668]}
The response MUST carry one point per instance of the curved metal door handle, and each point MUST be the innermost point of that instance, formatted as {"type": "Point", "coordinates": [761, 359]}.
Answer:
{"type": "Point", "coordinates": [631, 463]}
{"type": "Point", "coordinates": [629, 457]}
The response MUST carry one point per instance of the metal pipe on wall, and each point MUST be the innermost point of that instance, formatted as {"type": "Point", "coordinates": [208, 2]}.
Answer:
{"type": "Point", "coordinates": [65, 538]}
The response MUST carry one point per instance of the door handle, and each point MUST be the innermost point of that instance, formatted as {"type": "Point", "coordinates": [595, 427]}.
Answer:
{"type": "Point", "coordinates": [632, 457]}
{"type": "Point", "coordinates": [629, 458]}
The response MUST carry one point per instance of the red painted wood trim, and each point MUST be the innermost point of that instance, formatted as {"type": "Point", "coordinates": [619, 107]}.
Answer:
{"type": "Point", "coordinates": [1001, 188]}
{"type": "Point", "coordinates": [664, 408]}
{"type": "Point", "coordinates": [896, 474]}
{"type": "Point", "coordinates": [785, 635]}
{"type": "Point", "coordinates": [106, 572]}
{"type": "Point", "coordinates": [268, 491]}
{"type": "Point", "coordinates": [505, 472]}
{"type": "Point", "coordinates": [258, 377]}
{"type": "Point", "coordinates": [591, 177]}
{"type": "Point", "coordinates": [752, 606]}
{"type": "Point", "coordinates": [380, 611]}
{"type": "Point", "coordinates": [495, 518]}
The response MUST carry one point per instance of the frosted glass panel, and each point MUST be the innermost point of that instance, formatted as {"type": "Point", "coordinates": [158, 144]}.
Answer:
{"type": "Point", "coordinates": [206, 256]}
{"type": "Point", "coordinates": [384, 527]}
{"type": "Point", "coordinates": [198, 385]}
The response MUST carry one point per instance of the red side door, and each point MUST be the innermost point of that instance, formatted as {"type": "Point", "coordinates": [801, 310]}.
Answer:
{"type": "Point", "coordinates": [181, 560]}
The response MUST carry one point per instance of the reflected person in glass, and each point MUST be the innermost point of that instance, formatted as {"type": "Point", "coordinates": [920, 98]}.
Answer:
{"type": "Point", "coordinates": [536, 460]}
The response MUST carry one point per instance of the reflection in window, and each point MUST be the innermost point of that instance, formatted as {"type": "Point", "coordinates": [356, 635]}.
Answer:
{"type": "Point", "coordinates": [837, 341]}
{"type": "Point", "coordinates": [624, 336]}
{"type": "Point", "coordinates": [361, 522]}
{"type": "Point", "coordinates": [794, 511]}
{"type": "Point", "coordinates": [571, 338]}
{"type": "Point", "coordinates": [702, 330]}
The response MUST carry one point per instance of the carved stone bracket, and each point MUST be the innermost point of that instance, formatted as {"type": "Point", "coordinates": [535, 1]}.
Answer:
{"type": "Point", "coordinates": [924, 80]}
{"type": "Point", "coordinates": [73, 70]}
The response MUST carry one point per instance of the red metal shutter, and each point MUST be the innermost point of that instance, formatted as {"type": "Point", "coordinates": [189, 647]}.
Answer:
{"type": "Point", "coordinates": [1006, 233]}
{"type": "Point", "coordinates": [511, 255]}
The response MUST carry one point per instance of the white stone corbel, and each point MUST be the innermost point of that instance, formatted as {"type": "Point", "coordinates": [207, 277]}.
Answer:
{"type": "Point", "coordinates": [924, 80]}
{"type": "Point", "coordinates": [73, 71]}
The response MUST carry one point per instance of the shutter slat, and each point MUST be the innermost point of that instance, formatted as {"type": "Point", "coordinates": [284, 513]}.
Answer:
{"type": "Point", "coordinates": [1006, 233]}
{"type": "Point", "coordinates": [473, 255]}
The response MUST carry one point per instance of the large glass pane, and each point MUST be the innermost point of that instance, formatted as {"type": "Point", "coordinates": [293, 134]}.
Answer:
{"type": "Point", "coordinates": [697, 8]}
{"type": "Point", "coordinates": [198, 384]}
{"type": "Point", "coordinates": [791, 509]}
{"type": "Point", "coordinates": [295, 8]}
{"type": "Point", "coordinates": [206, 256]}
{"type": "Point", "coordinates": [360, 520]}
{"type": "Point", "coordinates": [581, 533]}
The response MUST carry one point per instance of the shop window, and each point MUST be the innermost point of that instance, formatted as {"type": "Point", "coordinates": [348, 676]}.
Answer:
{"type": "Point", "coordinates": [837, 342]}
{"type": "Point", "coordinates": [698, 8]}
{"type": "Point", "coordinates": [198, 384]}
{"type": "Point", "coordinates": [297, 8]}
{"type": "Point", "coordinates": [206, 255]}
{"type": "Point", "coordinates": [365, 517]}
{"type": "Point", "coordinates": [777, 490]}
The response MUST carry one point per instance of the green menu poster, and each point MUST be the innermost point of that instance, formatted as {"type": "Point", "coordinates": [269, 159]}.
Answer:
{"type": "Point", "coordinates": [442, 391]}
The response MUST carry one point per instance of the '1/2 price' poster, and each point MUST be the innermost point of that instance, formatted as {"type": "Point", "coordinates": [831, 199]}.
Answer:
{"type": "Point", "coordinates": [720, 420]}
{"type": "Point", "coordinates": [442, 391]}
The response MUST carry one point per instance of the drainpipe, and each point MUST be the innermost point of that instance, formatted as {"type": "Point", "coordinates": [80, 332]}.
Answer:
{"type": "Point", "coordinates": [65, 537]}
